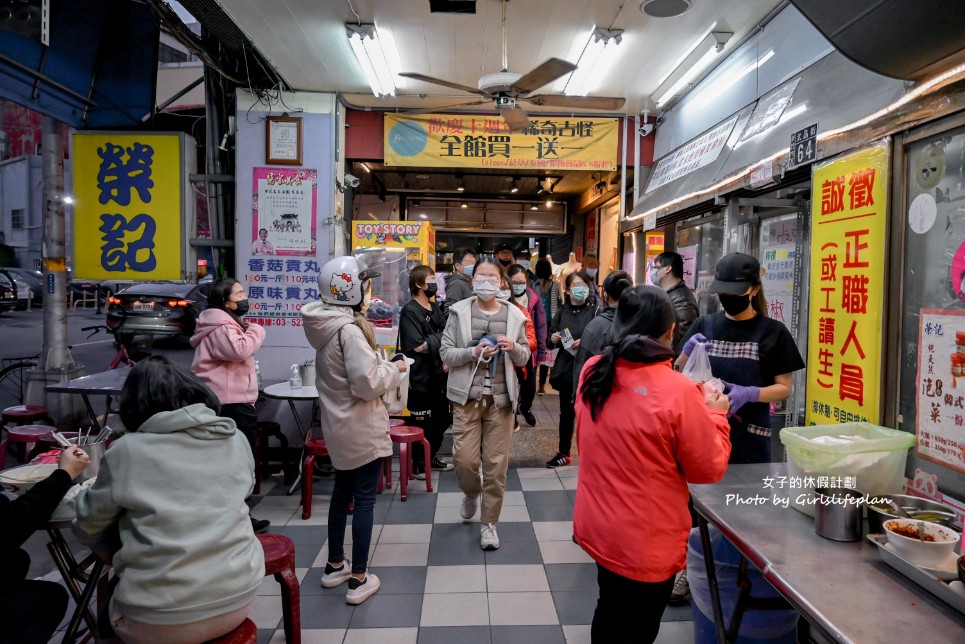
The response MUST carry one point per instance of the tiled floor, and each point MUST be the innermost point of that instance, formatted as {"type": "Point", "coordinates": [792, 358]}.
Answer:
{"type": "Point", "coordinates": [437, 584]}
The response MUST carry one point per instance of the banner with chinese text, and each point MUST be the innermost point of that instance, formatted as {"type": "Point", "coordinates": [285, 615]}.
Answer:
{"type": "Point", "coordinates": [282, 269]}
{"type": "Point", "coordinates": [778, 251]}
{"type": "Point", "coordinates": [848, 214]}
{"type": "Point", "coordinates": [466, 141]}
{"type": "Point", "coordinates": [940, 424]}
{"type": "Point", "coordinates": [128, 215]}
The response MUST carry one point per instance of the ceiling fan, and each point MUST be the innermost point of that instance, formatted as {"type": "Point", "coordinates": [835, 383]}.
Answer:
{"type": "Point", "coordinates": [505, 88]}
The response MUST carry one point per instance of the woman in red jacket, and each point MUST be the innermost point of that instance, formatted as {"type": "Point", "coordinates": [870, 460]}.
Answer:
{"type": "Point", "coordinates": [645, 431]}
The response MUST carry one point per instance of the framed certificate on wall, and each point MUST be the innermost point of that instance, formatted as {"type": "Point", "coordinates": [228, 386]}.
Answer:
{"type": "Point", "coordinates": [283, 140]}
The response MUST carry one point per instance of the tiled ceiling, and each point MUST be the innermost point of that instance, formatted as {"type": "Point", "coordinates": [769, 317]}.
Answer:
{"type": "Point", "coordinates": [306, 42]}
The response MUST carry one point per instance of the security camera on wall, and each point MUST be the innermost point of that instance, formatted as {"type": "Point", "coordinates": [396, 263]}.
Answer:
{"type": "Point", "coordinates": [646, 129]}
{"type": "Point", "coordinates": [352, 181]}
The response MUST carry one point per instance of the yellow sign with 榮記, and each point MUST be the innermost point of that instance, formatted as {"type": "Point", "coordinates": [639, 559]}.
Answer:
{"type": "Point", "coordinates": [471, 141]}
{"type": "Point", "coordinates": [848, 225]}
{"type": "Point", "coordinates": [127, 206]}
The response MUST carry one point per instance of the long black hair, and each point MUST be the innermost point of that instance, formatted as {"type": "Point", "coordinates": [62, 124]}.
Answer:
{"type": "Point", "coordinates": [158, 384]}
{"type": "Point", "coordinates": [644, 310]}
{"type": "Point", "coordinates": [220, 293]}
{"type": "Point", "coordinates": [615, 284]}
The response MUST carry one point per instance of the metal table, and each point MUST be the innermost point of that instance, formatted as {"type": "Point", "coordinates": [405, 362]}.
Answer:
{"type": "Point", "coordinates": [844, 590]}
{"type": "Point", "coordinates": [283, 391]}
{"type": "Point", "coordinates": [107, 383]}
{"type": "Point", "coordinates": [82, 579]}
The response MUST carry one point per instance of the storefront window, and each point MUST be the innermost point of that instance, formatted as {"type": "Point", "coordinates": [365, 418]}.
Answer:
{"type": "Point", "coordinates": [702, 246]}
{"type": "Point", "coordinates": [932, 351]}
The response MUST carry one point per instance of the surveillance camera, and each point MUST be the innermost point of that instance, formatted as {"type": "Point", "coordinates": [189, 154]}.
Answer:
{"type": "Point", "coordinates": [352, 181]}
{"type": "Point", "coordinates": [646, 128]}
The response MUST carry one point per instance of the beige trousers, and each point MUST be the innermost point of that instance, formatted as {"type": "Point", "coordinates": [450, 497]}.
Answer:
{"type": "Point", "coordinates": [483, 433]}
{"type": "Point", "coordinates": [134, 632]}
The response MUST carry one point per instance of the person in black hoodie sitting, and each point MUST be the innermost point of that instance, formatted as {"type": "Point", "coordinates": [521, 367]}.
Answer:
{"type": "Point", "coordinates": [420, 335]}
{"type": "Point", "coordinates": [31, 610]}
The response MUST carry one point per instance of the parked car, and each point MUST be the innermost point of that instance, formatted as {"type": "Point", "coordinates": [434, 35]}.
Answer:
{"type": "Point", "coordinates": [34, 281]}
{"type": "Point", "coordinates": [157, 308]}
{"type": "Point", "coordinates": [78, 289]}
{"type": "Point", "coordinates": [8, 292]}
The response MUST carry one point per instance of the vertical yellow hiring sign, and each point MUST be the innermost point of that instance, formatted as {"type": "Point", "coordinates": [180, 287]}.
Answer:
{"type": "Point", "coordinates": [127, 206]}
{"type": "Point", "coordinates": [848, 215]}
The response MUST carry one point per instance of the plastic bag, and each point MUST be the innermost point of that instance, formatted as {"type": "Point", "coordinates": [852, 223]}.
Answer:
{"type": "Point", "coordinates": [698, 365]}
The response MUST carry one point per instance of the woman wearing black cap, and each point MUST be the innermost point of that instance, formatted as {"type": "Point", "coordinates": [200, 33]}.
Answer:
{"type": "Point", "coordinates": [754, 355]}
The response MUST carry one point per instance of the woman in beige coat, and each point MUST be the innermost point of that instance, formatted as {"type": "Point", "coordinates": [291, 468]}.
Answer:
{"type": "Point", "coordinates": [351, 379]}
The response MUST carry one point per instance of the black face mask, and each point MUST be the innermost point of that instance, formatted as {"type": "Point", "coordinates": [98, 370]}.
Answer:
{"type": "Point", "coordinates": [430, 290]}
{"type": "Point", "coordinates": [506, 262]}
{"type": "Point", "coordinates": [242, 309]}
{"type": "Point", "coordinates": [734, 304]}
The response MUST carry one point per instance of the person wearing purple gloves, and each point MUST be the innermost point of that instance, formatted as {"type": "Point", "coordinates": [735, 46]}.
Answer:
{"type": "Point", "coordinates": [752, 354]}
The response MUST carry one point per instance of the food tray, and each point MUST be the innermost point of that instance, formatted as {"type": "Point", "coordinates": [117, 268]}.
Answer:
{"type": "Point", "coordinates": [20, 479]}
{"type": "Point", "coordinates": [932, 584]}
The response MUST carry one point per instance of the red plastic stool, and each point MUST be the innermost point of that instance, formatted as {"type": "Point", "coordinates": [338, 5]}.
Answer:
{"type": "Point", "coordinates": [26, 435]}
{"type": "Point", "coordinates": [280, 562]}
{"type": "Point", "coordinates": [396, 422]}
{"type": "Point", "coordinates": [245, 633]}
{"type": "Point", "coordinates": [25, 414]}
{"type": "Point", "coordinates": [404, 435]}
{"type": "Point", "coordinates": [313, 447]}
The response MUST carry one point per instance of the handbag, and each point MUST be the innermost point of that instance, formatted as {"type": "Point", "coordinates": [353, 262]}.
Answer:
{"type": "Point", "coordinates": [397, 398]}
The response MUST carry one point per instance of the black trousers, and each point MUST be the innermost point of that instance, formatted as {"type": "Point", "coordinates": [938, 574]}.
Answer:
{"type": "Point", "coordinates": [544, 373]}
{"type": "Point", "coordinates": [30, 610]}
{"type": "Point", "coordinates": [430, 411]}
{"type": "Point", "coordinates": [245, 417]}
{"type": "Point", "coordinates": [628, 611]}
{"type": "Point", "coordinates": [527, 388]}
{"type": "Point", "coordinates": [567, 413]}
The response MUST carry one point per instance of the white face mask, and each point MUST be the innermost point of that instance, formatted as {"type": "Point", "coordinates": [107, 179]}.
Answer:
{"type": "Point", "coordinates": [503, 294]}
{"type": "Point", "coordinates": [486, 290]}
{"type": "Point", "coordinates": [519, 289]}
{"type": "Point", "coordinates": [655, 275]}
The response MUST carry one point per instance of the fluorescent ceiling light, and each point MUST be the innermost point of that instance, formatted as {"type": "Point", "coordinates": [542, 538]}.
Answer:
{"type": "Point", "coordinates": [370, 50]}
{"type": "Point", "coordinates": [686, 55]}
{"type": "Point", "coordinates": [702, 56]}
{"type": "Point", "coordinates": [594, 53]}
{"type": "Point", "coordinates": [719, 86]}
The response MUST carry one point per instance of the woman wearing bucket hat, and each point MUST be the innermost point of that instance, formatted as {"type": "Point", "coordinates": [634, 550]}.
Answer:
{"type": "Point", "coordinates": [754, 355]}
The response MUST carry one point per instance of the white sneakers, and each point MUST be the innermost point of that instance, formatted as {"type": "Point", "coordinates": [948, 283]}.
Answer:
{"type": "Point", "coordinates": [336, 576]}
{"type": "Point", "coordinates": [359, 591]}
{"type": "Point", "coordinates": [488, 539]}
{"type": "Point", "coordinates": [468, 508]}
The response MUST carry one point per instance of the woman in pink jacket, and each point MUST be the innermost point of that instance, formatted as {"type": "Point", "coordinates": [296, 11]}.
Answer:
{"type": "Point", "coordinates": [645, 431]}
{"type": "Point", "coordinates": [224, 358]}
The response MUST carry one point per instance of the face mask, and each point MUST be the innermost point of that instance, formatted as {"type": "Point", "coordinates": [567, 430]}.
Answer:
{"type": "Point", "coordinates": [734, 304]}
{"type": "Point", "coordinates": [486, 290]}
{"type": "Point", "coordinates": [506, 262]}
{"type": "Point", "coordinates": [467, 270]}
{"type": "Point", "coordinates": [519, 289]}
{"type": "Point", "coordinates": [431, 289]}
{"type": "Point", "coordinates": [655, 276]}
{"type": "Point", "coordinates": [503, 294]}
{"type": "Point", "coordinates": [242, 309]}
{"type": "Point", "coordinates": [579, 293]}
{"type": "Point", "coordinates": [591, 272]}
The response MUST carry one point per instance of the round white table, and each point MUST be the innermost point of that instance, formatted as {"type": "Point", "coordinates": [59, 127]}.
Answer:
{"type": "Point", "coordinates": [284, 391]}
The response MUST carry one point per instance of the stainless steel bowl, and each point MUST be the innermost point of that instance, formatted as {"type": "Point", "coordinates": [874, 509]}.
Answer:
{"type": "Point", "coordinates": [916, 507]}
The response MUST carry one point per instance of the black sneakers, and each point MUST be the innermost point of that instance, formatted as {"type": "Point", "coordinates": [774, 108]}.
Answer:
{"type": "Point", "coordinates": [529, 417]}
{"type": "Point", "coordinates": [559, 460]}
{"type": "Point", "coordinates": [440, 465]}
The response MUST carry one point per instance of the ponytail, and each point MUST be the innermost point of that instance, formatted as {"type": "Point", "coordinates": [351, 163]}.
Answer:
{"type": "Point", "coordinates": [598, 381]}
{"type": "Point", "coordinates": [759, 302]}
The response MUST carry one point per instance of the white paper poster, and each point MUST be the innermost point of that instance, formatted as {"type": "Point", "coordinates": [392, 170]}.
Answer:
{"type": "Point", "coordinates": [778, 241]}
{"type": "Point", "coordinates": [701, 151]}
{"type": "Point", "coordinates": [941, 388]}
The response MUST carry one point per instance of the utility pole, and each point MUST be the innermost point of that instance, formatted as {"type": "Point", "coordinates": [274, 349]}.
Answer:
{"type": "Point", "coordinates": [55, 364]}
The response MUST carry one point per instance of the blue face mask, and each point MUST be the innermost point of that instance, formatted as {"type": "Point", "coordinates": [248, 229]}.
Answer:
{"type": "Point", "coordinates": [579, 293]}
{"type": "Point", "coordinates": [467, 270]}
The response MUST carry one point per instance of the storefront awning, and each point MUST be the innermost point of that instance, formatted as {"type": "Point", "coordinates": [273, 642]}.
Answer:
{"type": "Point", "coordinates": [833, 93]}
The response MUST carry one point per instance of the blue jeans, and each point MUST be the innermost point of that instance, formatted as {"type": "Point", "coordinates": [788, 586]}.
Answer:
{"type": "Point", "coordinates": [361, 484]}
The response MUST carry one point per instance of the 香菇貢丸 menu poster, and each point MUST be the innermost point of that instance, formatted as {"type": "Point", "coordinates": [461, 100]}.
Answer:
{"type": "Point", "coordinates": [283, 212]}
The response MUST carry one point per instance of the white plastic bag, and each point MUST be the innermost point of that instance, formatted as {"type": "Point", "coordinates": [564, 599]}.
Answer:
{"type": "Point", "coordinates": [698, 365]}
{"type": "Point", "coordinates": [397, 398]}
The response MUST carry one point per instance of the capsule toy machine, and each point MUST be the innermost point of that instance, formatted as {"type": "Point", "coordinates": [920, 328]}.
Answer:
{"type": "Point", "coordinates": [393, 248]}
